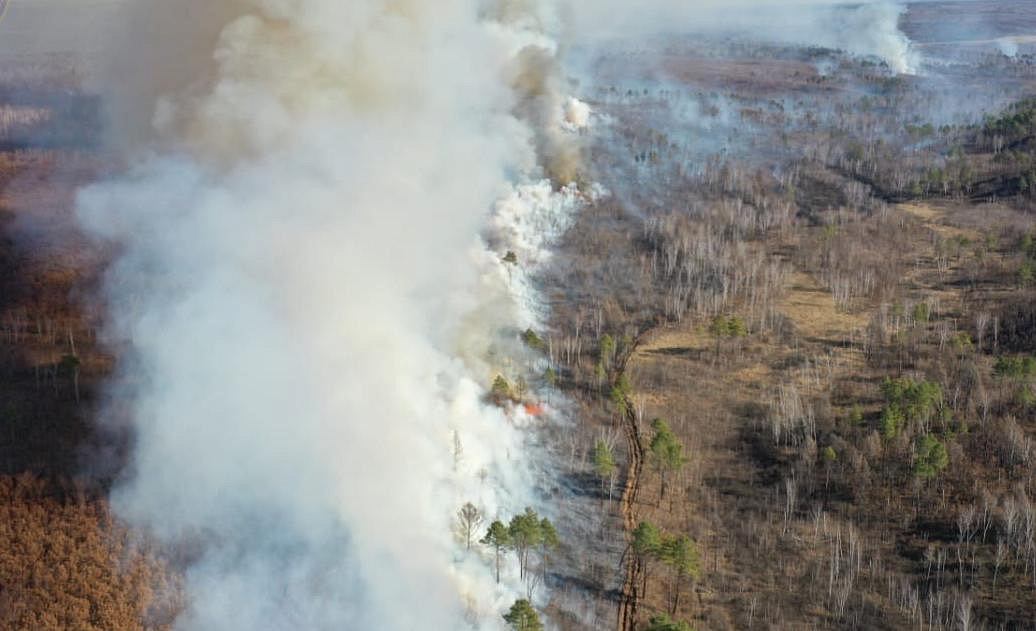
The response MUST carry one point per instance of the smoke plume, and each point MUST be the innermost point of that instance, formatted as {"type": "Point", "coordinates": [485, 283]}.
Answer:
{"type": "Point", "coordinates": [310, 313]}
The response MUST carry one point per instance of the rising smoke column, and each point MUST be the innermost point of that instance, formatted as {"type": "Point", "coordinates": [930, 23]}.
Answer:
{"type": "Point", "coordinates": [308, 309]}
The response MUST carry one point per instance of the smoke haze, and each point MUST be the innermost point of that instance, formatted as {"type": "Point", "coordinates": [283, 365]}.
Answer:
{"type": "Point", "coordinates": [867, 28]}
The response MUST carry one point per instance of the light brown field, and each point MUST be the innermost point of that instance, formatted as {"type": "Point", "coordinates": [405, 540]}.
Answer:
{"type": "Point", "coordinates": [813, 311]}
{"type": "Point", "coordinates": [934, 218]}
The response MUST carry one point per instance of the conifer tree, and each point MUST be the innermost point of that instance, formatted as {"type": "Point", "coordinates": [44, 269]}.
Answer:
{"type": "Point", "coordinates": [499, 538]}
{"type": "Point", "coordinates": [525, 534]}
{"type": "Point", "coordinates": [522, 617]}
{"type": "Point", "coordinates": [604, 464]}
{"type": "Point", "coordinates": [666, 453]}
{"type": "Point", "coordinates": [647, 546]}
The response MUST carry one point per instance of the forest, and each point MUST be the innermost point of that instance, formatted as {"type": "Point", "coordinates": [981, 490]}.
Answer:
{"type": "Point", "coordinates": [793, 333]}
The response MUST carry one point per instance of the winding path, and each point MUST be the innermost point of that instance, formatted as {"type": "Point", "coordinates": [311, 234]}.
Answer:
{"type": "Point", "coordinates": [629, 596]}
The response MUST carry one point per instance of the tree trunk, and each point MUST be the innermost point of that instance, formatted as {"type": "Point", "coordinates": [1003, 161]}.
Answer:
{"type": "Point", "coordinates": [676, 596]}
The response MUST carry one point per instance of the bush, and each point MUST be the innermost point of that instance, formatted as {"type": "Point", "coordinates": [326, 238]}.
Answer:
{"type": "Point", "coordinates": [931, 457]}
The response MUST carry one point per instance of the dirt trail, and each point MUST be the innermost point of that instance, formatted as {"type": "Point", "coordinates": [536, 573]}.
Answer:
{"type": "Point", "coordinates": [627, 615]}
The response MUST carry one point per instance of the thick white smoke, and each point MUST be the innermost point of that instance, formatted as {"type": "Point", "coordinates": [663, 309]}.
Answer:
{"type": "Point", "coordinates": [308, 310]}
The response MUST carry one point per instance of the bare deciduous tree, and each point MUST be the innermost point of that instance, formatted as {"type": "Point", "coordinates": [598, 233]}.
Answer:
{"type": "Point", "coordinates": [469, 518]}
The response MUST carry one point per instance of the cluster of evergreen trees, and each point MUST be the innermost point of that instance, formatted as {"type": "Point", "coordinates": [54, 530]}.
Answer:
{"type": "Point", "coordinates": [912, 405]}
{"type": "Point", "coordinates": [679, 553]}
{"type": "Point", "coordinates": [526, 534]}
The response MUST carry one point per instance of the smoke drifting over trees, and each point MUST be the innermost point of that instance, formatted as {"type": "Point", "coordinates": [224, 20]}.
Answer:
{"type": "Point", "coordinates": [301, 286]}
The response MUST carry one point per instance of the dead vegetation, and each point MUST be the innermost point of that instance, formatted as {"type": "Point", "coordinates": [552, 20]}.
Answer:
{"type": "Point", "coordinates": [833, 347]}
{"type": "Point", "coordinates": [65, 561]}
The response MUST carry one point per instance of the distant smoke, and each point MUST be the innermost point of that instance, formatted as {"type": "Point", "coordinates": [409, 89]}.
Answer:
{"type": "Point", "coordinates": [870, 29]}
{"type": "Point", "coordinates": [863, 28]}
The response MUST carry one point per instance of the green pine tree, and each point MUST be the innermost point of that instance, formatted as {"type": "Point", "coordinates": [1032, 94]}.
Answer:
{"type": "Point", "coordinates": [604, 464]}
{"type": "Point", "coordinates": [647, 545]}
{"type": "Point", "coordinates": [666, 453]}
{"type": "Point", "coordinates": [606, 351]}
{"type": "Point", "coordinates": [525, 534]}
{"type": "Point", "coordinates": [681, 554]}
{"type": "Point", "coordinates": [532, 340]}
{"type": "Point", "coordinates": [549, 543]}
{"type": "Point", "coordinates": [930, 457]}
{"type": "Point", "coordinates": [620, 393]}
{"type": "Point", "coordinates": [497, 537]}
{"type": "Point", "coordinates": [522, 617]}
{"type": "Point", "coordinates": [501, 390]}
